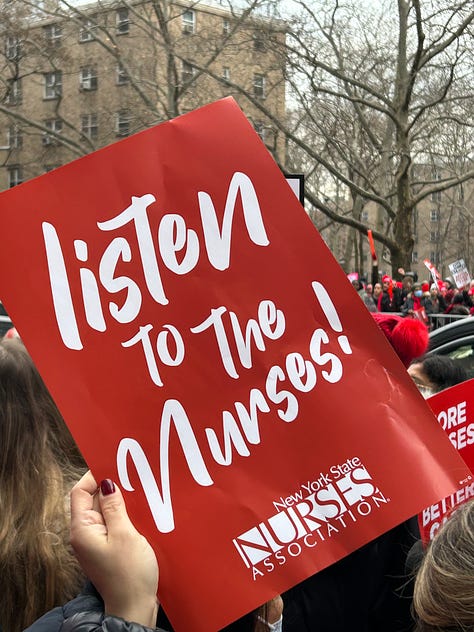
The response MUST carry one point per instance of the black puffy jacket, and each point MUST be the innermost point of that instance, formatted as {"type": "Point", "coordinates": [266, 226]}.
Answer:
{"type": "Point", "coordinates": [85, 613]}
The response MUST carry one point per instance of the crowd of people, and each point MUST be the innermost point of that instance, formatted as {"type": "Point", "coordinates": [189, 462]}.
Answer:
{"type": "Point", "coordinates": [411, 297]}
{"type": "Point", "coordinates": [89, 570]}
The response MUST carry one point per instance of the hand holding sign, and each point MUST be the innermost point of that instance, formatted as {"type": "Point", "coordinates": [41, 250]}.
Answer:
{"type": "Point", "coordinates": [116, 558]}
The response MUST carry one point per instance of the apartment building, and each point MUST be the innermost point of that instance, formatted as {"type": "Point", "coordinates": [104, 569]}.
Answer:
{"type": "Point", "coordinates": [73, 81]}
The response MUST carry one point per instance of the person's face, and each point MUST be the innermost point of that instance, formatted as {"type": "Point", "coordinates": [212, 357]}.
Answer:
{"type": "Point", "coordinates": [385, 285]}
{"type": "Point", "coordinates": [426, 388]}
{"type": "Point", "coordinates": [377, 289]}
{"type": "Point", "coordinates": [434, 292]}
{"type": "Point", "coordinates": [407, 283]}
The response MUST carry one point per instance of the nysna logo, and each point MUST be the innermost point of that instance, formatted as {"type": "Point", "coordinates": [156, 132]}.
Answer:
{"type": "Point", "coordinates": [315, 513]}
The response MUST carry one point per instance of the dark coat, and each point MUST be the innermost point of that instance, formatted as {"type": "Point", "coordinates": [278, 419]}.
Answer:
{"type": "Point", "coordinates": [367, 591]}
{"type": "Point", "coordinates": [85, 613]}
{"type": "Point", "coordinates": [387, 304]}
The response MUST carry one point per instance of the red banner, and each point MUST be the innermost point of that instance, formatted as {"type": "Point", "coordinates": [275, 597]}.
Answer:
{"type": "Point", "coordinates": [454, 409]}
{"type": "Point", "coordinates": [433, 271]}
{"type": "Point", "coordinates": [199, 339]}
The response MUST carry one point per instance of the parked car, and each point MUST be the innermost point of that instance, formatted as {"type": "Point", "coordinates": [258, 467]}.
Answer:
{"type": "Point", "coordinates": [455, 340]}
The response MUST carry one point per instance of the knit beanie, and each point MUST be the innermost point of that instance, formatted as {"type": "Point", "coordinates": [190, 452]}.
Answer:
{"type": "Point", "coordinates": [408, 336]}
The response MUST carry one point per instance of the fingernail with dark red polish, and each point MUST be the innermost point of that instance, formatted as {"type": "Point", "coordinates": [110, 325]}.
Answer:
{"type": "Point", "coordinates": [107, 487]}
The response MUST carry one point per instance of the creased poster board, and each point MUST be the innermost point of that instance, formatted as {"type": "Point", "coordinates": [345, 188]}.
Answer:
{"type": "Point", "coordinates": [454, 410]}
{"type": "Point", "coordinates": [206, 351]}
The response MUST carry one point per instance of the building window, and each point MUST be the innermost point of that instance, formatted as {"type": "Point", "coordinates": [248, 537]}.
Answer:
{"type": "Point", "coordinates": [12, 48]}
{"type": "Point", "coordinates": [364, 216]}
{"type": "Point", "coordinates": [53, 84]}
{"type": "Point", "coordinates": [225, 26]}
{"type": "Point", "coordinates": [434, 257]}
{"type": "Point", "coordinates": [434, 215]}
{"type": "Point", "coordinates": [122, 124]}
{"type": "Point", "coordinates": [436, 195]}
{"type": "Point", "coordinates": [258, 41]}
{"type": "Point", "coordinates": [414, 257]}
{"type": "Point", "coordinates": [121, 76]}
{"type": "Point", "coordinates": [189, 21]}
{"type": "Point", "coordinates": [86, 32]}
{"type": "Point", "coordinates": [266, 133]}
{"type": "Point", "coordinates": [187, 72]}
{"type": "Point", "coordinates": [55, 125]}
{"type": "Point", "coordinates": [226, 73]}
{"type": "Point", "coordinates": [434, 236]}
{"type": "Point", "coordinates": [15, 175]}
{"type": "Point", "coordinates": [259, 86]}
{"type": "Point", "coordinates": [89, 125]}
{"type": "Point", "coordinates": [53, 34]}
{"type": "Point", "coordinates": [14, 92]}
{"type": "Point", "coordinates": [88, 78]}
{"type": "Point", "coordinates": [15, 137]}
{"type": "Point", "coordinates": [122, 21]}
{"type": "Point", "coordinates": [258, 127]}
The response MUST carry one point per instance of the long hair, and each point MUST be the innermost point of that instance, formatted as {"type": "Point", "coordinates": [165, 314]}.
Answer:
{"type": "Point", "coordinates": [39, 463]}
{"type": "Point", "coordinates": [444, 586]}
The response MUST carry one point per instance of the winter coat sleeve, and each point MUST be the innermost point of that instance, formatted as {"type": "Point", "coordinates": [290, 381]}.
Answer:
{"type": "Point", "coordinates": [85, 613]}
{"type": "Point", "coordinates": [98, 622]}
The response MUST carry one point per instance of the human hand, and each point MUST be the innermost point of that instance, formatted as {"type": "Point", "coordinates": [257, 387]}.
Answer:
{"type": "Point", "coordinates": [269, 616]}
{"type": "Point", "coordinates": [274, 609]}
{"type": "Point", "coordinates": [117, 559]}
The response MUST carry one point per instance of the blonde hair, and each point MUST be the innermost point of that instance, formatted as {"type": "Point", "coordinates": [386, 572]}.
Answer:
{"type": "Point", "coordinates": [39, 463]}
{"type": "Point", "coordinates": [444, 587]}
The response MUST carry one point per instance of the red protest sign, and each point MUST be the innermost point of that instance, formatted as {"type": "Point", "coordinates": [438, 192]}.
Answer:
{"type": "Point", "coordinates": [433, 271]}
{"type": "Point", "coordinates": [197, 335]}
{"type": "Point", "coordinates": [454, 409]}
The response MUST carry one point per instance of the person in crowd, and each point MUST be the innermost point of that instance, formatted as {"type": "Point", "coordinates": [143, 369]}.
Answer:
{"type": "Point", "coordinates": [376, 293]}
{"type": "Point", "coordinates": [368, 590]}
{"type": "Point", "coordinates": [444, 587]}
{"type": "Point", "coordinates": [368, 297]}
{"type": "Point", "coordinates": [121, 565]}
{"type": "Point", "coordinates": [417, 303]}
{"type": "Point", "coordinates": [407, 284]}
{"type": "Point", "coordinates": [457, 307]}
{"type": "Point", "coordinates": [450, 289]}
{"type": "Point", "coordinates": [39, 464]}
{"type": "Point", "coordinates": [438, 303]}
{"type": "Point", "coordinates": [434, 373]}
{"type": "Point", "coordinates": [358, 286]}
{"type": "Point", "coordinates": [390, 298]}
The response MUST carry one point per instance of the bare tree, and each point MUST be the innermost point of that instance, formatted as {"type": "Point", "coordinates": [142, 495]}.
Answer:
{"type": "Point", "coordinates": [376, 90]}
{"type": "Point", "coordinates": [166, 62]}
{"type": "Point", "coordinates": [379, 107]}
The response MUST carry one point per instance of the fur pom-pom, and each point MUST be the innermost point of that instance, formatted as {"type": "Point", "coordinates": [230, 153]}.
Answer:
{"type": "Point", "coordinates": [408, 336]}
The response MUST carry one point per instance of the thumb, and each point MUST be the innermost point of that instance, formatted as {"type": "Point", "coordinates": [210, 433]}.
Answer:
{"type": "Point", "coordinates": [112, 507]}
